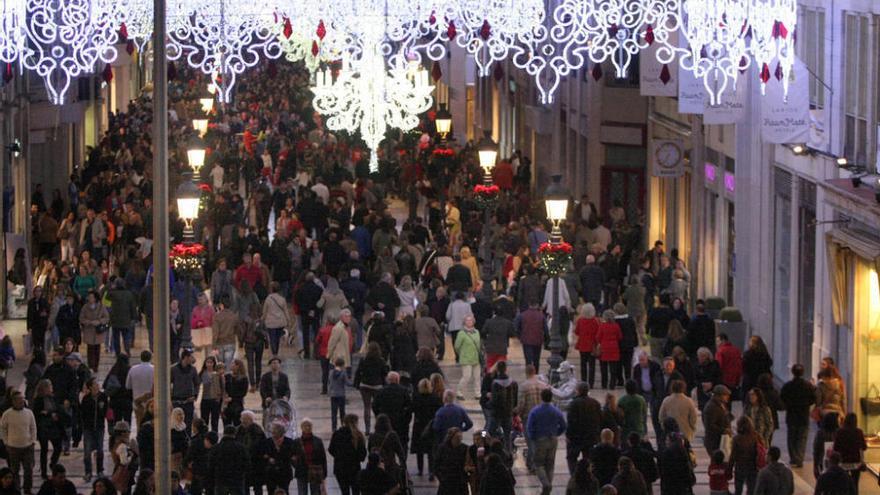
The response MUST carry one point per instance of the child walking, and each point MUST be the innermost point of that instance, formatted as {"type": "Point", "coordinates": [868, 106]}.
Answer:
{"type": "Point", "coordinates": [336, 390]}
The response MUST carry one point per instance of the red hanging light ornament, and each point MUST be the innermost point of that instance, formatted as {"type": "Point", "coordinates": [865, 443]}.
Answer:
{"type": "Point", "coordinates": [107, 73]}
{"type": "Point", "coordinates": [597, 72]}
{"type": "Point", "coordinates": [315, 48]}
{"type": "Point", "coordinates": [498, 73]}
{"type": "Point", "coordinates": [432, 18]}
{"type": "Point", "coordinates": [321, 31]}
{"type": "Point", "coordinates": [649, 35]}
{"type": "Point", "coordinates": [778, 73]}
{"type": "Point", "coordinates": [485, 30]}
{"type": "Point", "coordinates": [123, 32]}
{"type": "Point", "coordinates": [665, 75]}
{"type": "Point", "coordinates": [450, 30]}
{"type": "Point", "coordinates": [288, 28]}
{"type": "Point", "coordinates": [436, 72]}
{"type": "Point", "coordinates": [743, 64]}
{"type": "Point", "coordinates": [8, 73]}
{"type": "Point", "coordinates": [765, 73]}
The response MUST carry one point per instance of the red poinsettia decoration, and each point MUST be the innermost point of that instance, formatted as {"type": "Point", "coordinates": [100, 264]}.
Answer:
{"type": "Point", "coordinates": [184, 250]}
{"type": "Point", "coordinates": [486, 190]}
{"type": "Point", "coordinates": [205, 187]}
{"type": "Point", "coordinates": [447, 152]}
{"type": "Point", "coordinates": [552, 248]}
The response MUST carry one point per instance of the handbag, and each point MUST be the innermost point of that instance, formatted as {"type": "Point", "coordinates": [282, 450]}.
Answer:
{"type": "Point", "coordinates": [726, 445]}
{"type": "Point", "coordinates": [760, 455]}
{"type": "Point", "coordinates": [102, 328]}
{"type": "Point", "coordinates": [202, 337]}
{"type": "Point", "coordinates": [871, 405]}
{"type": "Point", "coordinates": [427, 433]}
{"type": "Point", "coordinates": [121, 478]}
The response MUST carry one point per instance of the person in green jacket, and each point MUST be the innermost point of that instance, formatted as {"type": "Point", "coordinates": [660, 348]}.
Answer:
{"type": "Point", "coordinates": [469, 351]}
{"type": "Point", "coordinates": [635, 411]}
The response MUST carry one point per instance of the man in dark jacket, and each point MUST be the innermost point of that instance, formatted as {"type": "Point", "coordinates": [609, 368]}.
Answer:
{"type": "Point", "coordinates": [716, 418]}
{"type": "Point", "coordinates": [584, 418]}
{"type": "Point", "coordinates": [355, 291]}
{"type": "Point", "coordinates": [775, 478]}
{"type": "Point", "coordinates": [228, 463]}
{"type": "Point", "coordinates": [92, 413]}
{"type": "Point", "coordinates": [123, 316]}
{"type": "Point", "coordinates": [798, 395]}
{"type": "Point", "coordinates": [701, 331]}
{"type": "Point", "coordinates": [662, 386]}
{"type": "Point", "coordinates": [395, 401]}
{"type": "Point", "coordinates": [274, 383]}
{"type": "Point", "coordinates": [496, 335]}
{"type": "Point", "coordinates": [658, 326]}
{"type": "Point", "coordinates": [38, 318]}
{"type": "Point", "coordinates": [502, 401]}
{"type": "Point", "coordinates": [592, 281]}
{"type": "Point", "coordinates": [383, 296]}
{"type": "Point", "coordinates": [185, 385]}
{"type": "Point", "coordinates": [835, 481]}
{"type": "Point", "coordinates": [458, 277]}
{"type": "Point", "coordinates": [306, 299]}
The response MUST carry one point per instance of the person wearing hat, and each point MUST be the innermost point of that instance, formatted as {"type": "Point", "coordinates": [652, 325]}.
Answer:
{"type": "Point", "coordinates": [717, 418]}
{"type": "Point", "coordinates": [274, 383]}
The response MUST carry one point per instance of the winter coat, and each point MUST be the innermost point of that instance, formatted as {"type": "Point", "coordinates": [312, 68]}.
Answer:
{"type": "Point", "coordinates": [449, 468]}
{"type": "Point", "coordinates": [754, 364]}
{"type": "Point", "coordinates": [395, 401]}
{"type": "Point", "coordinates": [275, 312]}
{"type": "Point", "coordinates": [347, 456]}
{"type": "Point", "coordinates": [339, 345]}
{"type": "Point", "coordinates": [799, 396]}
{"type": "Point", "coordinates": [370, 372]}
{"type": "Point", "coordinates": [683, 410]}
{"type": "Point", "coordinates": [609, 336]}
{"type": "Point", "coordinates": [730, 360]}
{"type": "Point", "coordinates": [428, 332]}
{"type": "Point", "coordinates": [123, 308]}
{"type": "Point", "coordinates": [497, 332]}
{"type": "Point", "coordinates": [716, 422]}
{"type": "Point", "coordinates": [226, 327]}
{"type": "Point", "coordinates": [467, 344]}
{"type": "Point", "coordinates": [586, 330]}
{"type": "Point", "coordinates": [89, 318]}
{"type": "Point", "coordinates": [301, 462]}
{"type": "Point", "coordinates": [424, 407]}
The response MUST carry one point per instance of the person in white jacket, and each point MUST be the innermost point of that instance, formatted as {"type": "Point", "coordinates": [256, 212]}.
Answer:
{"type": "Point", "coordinates": [18, 429]}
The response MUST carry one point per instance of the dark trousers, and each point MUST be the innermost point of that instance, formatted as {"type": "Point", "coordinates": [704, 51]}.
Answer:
{"type": "Point", "coordinates": [337, 406]}
{"type": "Point", "coordinates": [254, 355]}
{"type": "Point", "coordinates": [93, 356]}
{"type": "Point", "coordinates": [454, 335]}
{"type": "Point", "coordinates": [420, 462]}
{"type": "Point", "coordinates": [532, 355]}
{"type": "Point", "coordinates": [624, 371]}
{"type": "Point", "coordinates": [22, 458]}
{"type": "Point", "coordinates": [348, 489]}
{"type": "Point", "coordinates": [93, 441]}
{"type": "Point", "coordinates": [38, 338]}
{"type": "Point", "coordinates": [797, 443]}
{"type": "Point", "coordinates": [210, 412]}
{"type": "Point", "coordinates": [273, 484]}
{"type": "Point", "coordinates": [275, 339]}
{"type": "Point", "coordinates": [126, 334]}
{"type": "Point", "coordinates": [44, 452]}
{"type": "Point", "coordinates": [303, 487]}
{"type": "Point", "coordinates": [588, 368]}
{"type": "Point", "coordinates": [367, 395]}
{"type": "Point", "coordinates": [325, 375]}
{"type": "Point", "coordinates": [229, 489]}
{"type": "Point", "coordinates": [309, 331]}
{"type": "Point", "coordinates": [610, 370]}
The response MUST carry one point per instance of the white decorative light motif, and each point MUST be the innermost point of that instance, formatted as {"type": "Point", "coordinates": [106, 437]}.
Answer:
{"type": "Point", "coordinates": [66, 39]}
{"type": "Point", "coordinates": [370, 99]}
{"type": "Point", "coordinates": [12, 35]}
{"type": "Point", "coordinates": [772, 31]}
{"type": "Point", "coordinates": [226, 37]}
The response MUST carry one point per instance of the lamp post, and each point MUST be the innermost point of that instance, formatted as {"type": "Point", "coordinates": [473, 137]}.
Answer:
{"type": "Point", "coordinates": [188, 197]}
{"type": "Point", "coordinates": [196, 150]}
{"type": "Point", "coordinates": [443, 122]}
{"type": "Point", "coordinates": [556, 202]}
{"type": "Point", "coordinates": [200, 123]}
{"type": "Point", "coordinates": [487, 153]}
{"type": "Point", "coordinates": [206, 101]}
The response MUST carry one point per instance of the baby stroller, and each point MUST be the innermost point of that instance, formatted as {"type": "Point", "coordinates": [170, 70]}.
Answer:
{"type": "Point", "coordinates": [281, 412]}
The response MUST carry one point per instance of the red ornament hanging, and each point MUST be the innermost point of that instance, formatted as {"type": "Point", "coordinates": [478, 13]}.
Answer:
{"type": "Point", "coordinates": [649, 35]}
{"type": "Point", "coordinates": [288, 28]}
{"type": "Point", "coordinates": [8, 73]}
{"type": "Point", "coordinates": [597, 72]}
{"type": "Point", "coordinates": [778, 73]}
{"type": "Point", "coordinates": [498, 73]}
{"type": "Point", "coordinates": [436, 72]}
{"type": "Point", "coordinates": [315, 48]}
{"type": "Point", "coordinates": [743, 64]}
{"type": "Point", "coordinates": [665, 75]}
{"type": "Point", "coordinates": [485, 30]}
{"type": "Point", "coordinates": [779, 30]}
{"type": "Point", "coordinates": [321, 31]}
{"type": "Point", "coordinates": [123, 32]}
{"type": "Point", "coordinates": [107, 74]}
{"type": "Point", "coordinates": [450, 30]}
{"type": "Point", "coordinates": [129, 47]}
{"type": "Point", "coordinates": [172, 71]}
{"type": "Point", "coordinates": [433, 18]}
{"type": "Point", "coordinates": [765, 74]}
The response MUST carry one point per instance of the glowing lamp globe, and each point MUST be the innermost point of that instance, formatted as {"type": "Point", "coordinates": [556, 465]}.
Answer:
{"type": "Point", "coordinates": [487, 152]}
{"type": "Point", "coordinates": [195, 153]}
{"type": "Point", "coordinates": [443, 121]}
{"type": "Point", "coordinates": [556, 201]}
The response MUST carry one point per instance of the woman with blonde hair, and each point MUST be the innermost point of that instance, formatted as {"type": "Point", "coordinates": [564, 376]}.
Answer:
{"type": "Point", "coordinates": [179, 438]}
{"type": "Point", "coordinates": [586, 328]}
{"type": "Point", "coordinates": [425, 404]}
{"type": "Point", "coordinates": [438, 385]}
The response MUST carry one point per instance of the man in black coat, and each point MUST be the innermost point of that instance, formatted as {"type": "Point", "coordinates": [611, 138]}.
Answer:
{"type": "Point", "coordinates": [383, 296]}
{"type": "Point", "coordinates": [274, 383]}
{"type": "Point", "coordinates": [701, 331]}
{"type": "Point", "coordinates": [228, 462]}
{"type": "Point", "coordinates": [38, 318]}
{"type": "Point", "coordinates": [592, 281]}
{"type": "Point", "coordinates": [583, 425]}
{"type": "Point", "coordinates": [662, 387]}
{"type": "Point", "coordinates": [307, 298]}
{"type": "Point", "coordinates": [798, 395]}
{"type": "Point", "coordinates": [458, 278]}
{"type": "Point", "coordinates": [394, 400]}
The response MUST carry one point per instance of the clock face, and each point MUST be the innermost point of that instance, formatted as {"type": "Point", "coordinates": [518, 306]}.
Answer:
{"type": "Point", "coordinates": [668, 155]}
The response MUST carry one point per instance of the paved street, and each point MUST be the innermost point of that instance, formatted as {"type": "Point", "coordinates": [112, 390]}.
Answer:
{"type": "Point", "coordinates": [305, 383]}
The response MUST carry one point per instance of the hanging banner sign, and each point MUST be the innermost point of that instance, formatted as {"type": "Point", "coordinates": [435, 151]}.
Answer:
{"type": "Point", "coordinates": [656, 79]}
{"type": "Point", "coordinates": [787, 120]}
{"type": "Point", "coordinates": [691, 93]}
{"type": "Point", "coordinates": [732, 108]}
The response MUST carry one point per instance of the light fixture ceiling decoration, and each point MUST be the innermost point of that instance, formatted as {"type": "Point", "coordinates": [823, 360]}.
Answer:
{"type": "Point", "coordinates": [66, 39]}
{"type": "Point", "coordinates": [369, 98]}
{"type": "Point", "coordinates": [770, 22]}
{"type": "Point", "coordinates": [12, 35]}
{"type": "Point", "coordinates": [225, 37]}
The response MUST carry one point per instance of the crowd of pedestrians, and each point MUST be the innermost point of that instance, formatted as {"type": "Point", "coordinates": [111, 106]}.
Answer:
{"type": "Point", "coordinates": [305, 260]}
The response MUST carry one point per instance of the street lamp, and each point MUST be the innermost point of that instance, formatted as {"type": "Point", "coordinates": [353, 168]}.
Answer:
{"type": "Point", "coordinates": [188, 198]}
{"type": "Point", "coordinates": [556, 202]}
{"type": "Point", "coordinates": [200, 123]}
{"type": "Point", "coordinates": [443, 122]}
{"type": "Point", "coordinates": [207, 101]}
{"type": "Point", "coordinates": [195, 153]}
{"type": "Point", "coordinates": [487, 152]}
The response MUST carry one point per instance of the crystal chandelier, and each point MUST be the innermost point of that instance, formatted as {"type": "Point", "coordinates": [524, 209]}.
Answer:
{"type": "Point", "coordinates": [225, 37]}
{"type": "Point", "coordinates": [370, 99]}
{"type": "Point", "coordinates": [66, 39]}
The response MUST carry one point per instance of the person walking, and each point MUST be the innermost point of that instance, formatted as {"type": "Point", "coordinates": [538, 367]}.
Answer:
{"type": "Point", "coordinates": [756, 408]}
{"type": "Point", "coordinates": [849, 441]}
{"type": "Point", "coordinates": [717, 418]}
{"type": "Point", "coordinates": [798, 395]}
{"type": "Point", "coordinates": [776, 477]}
{"type": "Point", "coordinates": [424, 406]}
{"type": "Point", "coordinates": [469, 352]}
{"type": "Point", "coordinates": [504, 392]}
{"type": "Point", "coordinates": [213, 385]}
{"type": "Point", "coordinates": [348, 446]}
{"type": "Point", "coordinates": [450, 464]}
{"type": "Point", "coordinates": [586, 328]}
{"type": "Point", "coordinates": [93, 319]}
{"type": "Point", "coordinates": [744, 456]}
{"type": "Point", "coordinates": [635, 412]}
{"type": "Point", "coordinates": [608, 337]}
{"type": "Point", "coordinates": [674, 463]}
{"type": "Point", "coordinates": [123, 316]}
{"type": "Point", "coordinates": [395, 401]}
{"type": "Point", "coordinates": [530, 326]}
{"type": "Point", "coordinates": [18, 430]}
{"type": "Point", "coordinates": [274, 384]}
{"type": "Point", "coordinates": [545, 424]}
{"type": "Point", "coordinates": [682, 409]}
{"type": "Point", "coordinates": [835, 480]}
{"type": "Point", "coordinates": [275, 455]}
{"type": "Point", "coordinates": [498, 330]}
{"type": "Point", "coordinates": [228, 463]}
{"type": "Point", "coordinates": [92, 413]}
{"type": "Point", "coordinates": [227, 330]}
{"type": "Point", "coordinates": [529, 398]}
{"type": "Point", "coordinates": [309, 460]}
{"type": "Point", "coordinates": [276, 318]}
{"type": "Point", "coordinates": [51, 420]}
{"type": "Point", "coordinates": [583, 418]}
{"type": "Point", "coordinates": [628, 342]}
{"type": "Point", "coordinates": [451, 415]}
{"type": "Point", "coordinates": [369, 377]}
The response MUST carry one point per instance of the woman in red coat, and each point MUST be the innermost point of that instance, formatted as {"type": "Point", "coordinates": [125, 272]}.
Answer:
{"type": "Point", "coordinates": [586, 328]}
{"type": "Point", "coordinates": [608, 337]}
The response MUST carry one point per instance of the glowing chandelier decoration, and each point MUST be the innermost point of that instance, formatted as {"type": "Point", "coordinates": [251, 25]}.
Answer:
{"type": "Point", "coordinates": [370, 99]}
{"type": "Point", "coordinates": [225, 37]}
{"type": "Point", "coordinates": [137, 20]}
{"type": "Point", "coordinates": [593, 31]}
{"type": "Point", "coordinates": [772, 40]}
{"type": "Point", "coordinates": [12, 35]}
{"type": "Point", "coordinates": [66, 39]}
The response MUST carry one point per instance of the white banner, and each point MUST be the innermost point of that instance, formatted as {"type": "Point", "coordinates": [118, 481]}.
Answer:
{"type": "Point", "coordinates": [787, 120]}
{"type": "Point", "coordinates": [656, 79]}
{"type": "Point", "coordinates": [732, 108]}
{"type": "Point", "coordinates": [691, 93]}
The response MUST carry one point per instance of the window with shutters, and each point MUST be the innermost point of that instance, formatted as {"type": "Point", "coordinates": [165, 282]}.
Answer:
{"type": "Point", "coordinates": [859, 68]}
{"type": "Point", "coordinates": [812, 52]}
